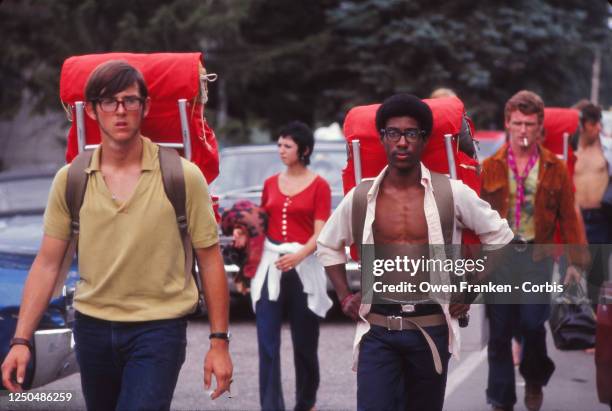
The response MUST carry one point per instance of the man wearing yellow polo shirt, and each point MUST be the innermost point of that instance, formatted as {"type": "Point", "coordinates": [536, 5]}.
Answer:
{"type": "Point", "coordinates": [132, 298]}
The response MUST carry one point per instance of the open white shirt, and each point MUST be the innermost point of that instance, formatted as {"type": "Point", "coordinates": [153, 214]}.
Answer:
{"type": "Point", "coordinates": [470, 212]}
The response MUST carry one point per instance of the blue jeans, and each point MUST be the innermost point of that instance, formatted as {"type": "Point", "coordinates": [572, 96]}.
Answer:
{"type": "Point", "coordinates": [305, 337]}
{"type": "Point", "coordinates": [395, 370]}
{"type": "Point", "coordinates": [129, 365]}
{"type": "Point", "coordinates": [597, 225]}
{"type": "Point", "coordinates": [526, 319]}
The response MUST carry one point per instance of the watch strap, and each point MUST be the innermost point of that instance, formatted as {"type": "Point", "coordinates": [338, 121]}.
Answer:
{"type": "Point", "coordinates": [222, 336]}
{"type": "Point", "coordinates": [21, 341]}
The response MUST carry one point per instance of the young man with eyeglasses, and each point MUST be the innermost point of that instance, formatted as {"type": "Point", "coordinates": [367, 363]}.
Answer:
{"type": "Point", "coordinates": [132, 298]}
{"type": "Point", "coordinates": [529, 186]}
{"type": "Point", "coordinates": [398, 365]}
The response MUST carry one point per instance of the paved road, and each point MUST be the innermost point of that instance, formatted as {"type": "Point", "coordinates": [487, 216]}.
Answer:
{"type": "Point", "coordinates": [572, 387]}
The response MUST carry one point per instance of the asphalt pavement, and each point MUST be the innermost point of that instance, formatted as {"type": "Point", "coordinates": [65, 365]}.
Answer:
{"type": "Point", "coordinates": [572, 387]}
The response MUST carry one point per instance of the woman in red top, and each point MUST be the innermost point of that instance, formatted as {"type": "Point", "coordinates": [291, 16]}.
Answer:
{"type": "Point", "coordinates": [289, 278]}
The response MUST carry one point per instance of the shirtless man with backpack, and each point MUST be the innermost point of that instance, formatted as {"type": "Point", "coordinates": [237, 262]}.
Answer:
{"type": "Point", "coordinates": [401, 351]}
{"type": "Point", "coordinates": [135, 289]}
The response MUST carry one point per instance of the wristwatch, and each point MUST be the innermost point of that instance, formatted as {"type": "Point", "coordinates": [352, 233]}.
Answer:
{"type": "Point", "coordinates": [222, 336]}
{"type": "Point", "coordinates": [21, 341]}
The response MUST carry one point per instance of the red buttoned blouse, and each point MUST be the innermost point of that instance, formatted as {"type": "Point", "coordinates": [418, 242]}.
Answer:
{"type": "Point", "coordinates": [291, 218]}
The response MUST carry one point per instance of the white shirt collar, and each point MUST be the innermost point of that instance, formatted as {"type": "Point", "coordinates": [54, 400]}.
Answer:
{"type": "Point", "coordinates": [425, 180]}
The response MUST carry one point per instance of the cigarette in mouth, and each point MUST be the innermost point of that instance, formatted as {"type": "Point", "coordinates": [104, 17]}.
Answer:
{"type": "Point", "coordinates": [525, 143]}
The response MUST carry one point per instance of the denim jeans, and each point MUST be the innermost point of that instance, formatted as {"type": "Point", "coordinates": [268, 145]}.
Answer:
{"type": "Point", "coordinates": [526, 319]}
{"type": "Point", "coordinates": [597, 224]}
{"type": "Point", "coordinates": [129, 365]}
{"type": "Point", "coordinates": [305, 337]}
{"type": "Point", "coordinates": [396, 371]}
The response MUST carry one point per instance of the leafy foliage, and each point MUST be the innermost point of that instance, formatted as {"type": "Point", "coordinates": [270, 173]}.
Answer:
{"type": "Point", "coordinates": [281, 60]}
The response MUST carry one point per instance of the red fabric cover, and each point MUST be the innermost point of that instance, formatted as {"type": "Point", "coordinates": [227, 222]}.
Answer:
{"type": "Point", "coordinates": [169, 76]}
{"type": "Point", "coordinates": [302, 209]}
{"type": "Point", "coordinates": [360, 124]}
{"type": "Point", "coordinates": [558, 121]}
{"type": "Point", "coordinates": [603, 345]}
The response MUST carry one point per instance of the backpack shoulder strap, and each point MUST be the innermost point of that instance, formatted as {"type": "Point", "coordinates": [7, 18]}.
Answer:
{"type": "Point", "coordinates": [174, 183]}
{"type": "Point", "coordinates": [173, 179]}
{"type": "Point", "coordinates": [443, 195]}
{"type": "Point", "coordinates": [358, 212]}
{"type": "Point", "coordinates": [76, 184]}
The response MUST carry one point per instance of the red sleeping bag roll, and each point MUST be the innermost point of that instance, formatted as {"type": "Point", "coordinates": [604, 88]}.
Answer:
{"type": "Point", "coordinates": [169, 77]}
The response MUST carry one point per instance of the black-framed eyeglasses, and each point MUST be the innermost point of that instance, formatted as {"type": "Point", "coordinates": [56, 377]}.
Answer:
{"type": "Point", "coordinates": [412, 135]}
{"type": "Point", "coordinates": [110, 105]}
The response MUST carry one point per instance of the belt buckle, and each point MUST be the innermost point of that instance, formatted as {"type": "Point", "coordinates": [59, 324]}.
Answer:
{"type": "Point", "coordinates": [408, 308]}
{"type": "Point", "coordinates": [520, 244]}
{"type": "Point", "coordinates": [390, 320]}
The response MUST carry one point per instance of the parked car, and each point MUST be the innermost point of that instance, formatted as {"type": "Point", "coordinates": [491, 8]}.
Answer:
{"type": "Point", "coordinates": [243, 170]}
{"type": "Point", "coordinates": [488, 142]}
{"type": "Point", "coordinates": [23, 196]}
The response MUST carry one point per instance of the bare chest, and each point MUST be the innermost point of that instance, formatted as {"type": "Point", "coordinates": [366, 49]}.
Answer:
{"type": "Point", "coordinates": [590, 177]}
{"type": "Point", "coordinates": [400, 217]}
{"type": "Point", "coordinates": [591, 163]}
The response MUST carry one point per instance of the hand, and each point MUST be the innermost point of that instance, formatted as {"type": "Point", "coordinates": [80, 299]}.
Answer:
{"type": "Point", "coordinates": [572, 275]}
{"type": "Point", "coordinates": [240, 238]}
{"type": "Point", "coordinates": [15, 364]}
{"type": "Point", "coordinates": [219, 364]}
{"type": "Point", "coordinates": [351, 305]}
{"type": "Point", "coordinates": [457, 310]}
{"type": "Point", "coordinates": [289, 261]}
{"type": "Point", "coordinates": [241, 286]}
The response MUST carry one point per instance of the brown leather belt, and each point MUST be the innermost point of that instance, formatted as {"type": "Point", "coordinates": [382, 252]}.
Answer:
{"type": "Point", "coordinates": [396, 323]}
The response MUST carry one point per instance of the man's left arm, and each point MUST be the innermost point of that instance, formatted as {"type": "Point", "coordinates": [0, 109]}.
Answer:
{"type": "Point", "coordinates": [476, 214]}
{"type": "Point", "coordinates": [204, 236]}
{"type": "Point", "coordinates": [216, 293]}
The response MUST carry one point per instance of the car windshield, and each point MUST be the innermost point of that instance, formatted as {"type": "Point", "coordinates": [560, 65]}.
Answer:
{"type": "Point", "coordinates": [22, 195]}
{"type": "Point", "coordinates": [23, 198]}
{"type": "Point", "coordinates": [245, 171]}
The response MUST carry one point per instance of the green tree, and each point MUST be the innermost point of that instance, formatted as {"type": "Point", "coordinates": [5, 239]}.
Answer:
{"type": "Point", "coordinates": [312, 60]}
{"type": "Point", "coordinates": [38, 35]}
{"type": "Point", "coordinates": [486, 50]}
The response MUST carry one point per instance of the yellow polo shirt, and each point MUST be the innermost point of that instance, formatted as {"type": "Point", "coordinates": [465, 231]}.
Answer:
{"type": "Point", "coordinates": [131, 257]}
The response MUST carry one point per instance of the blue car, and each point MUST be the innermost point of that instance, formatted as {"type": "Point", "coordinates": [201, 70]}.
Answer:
{"type": "Point", "coordinates": [23, 196]}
